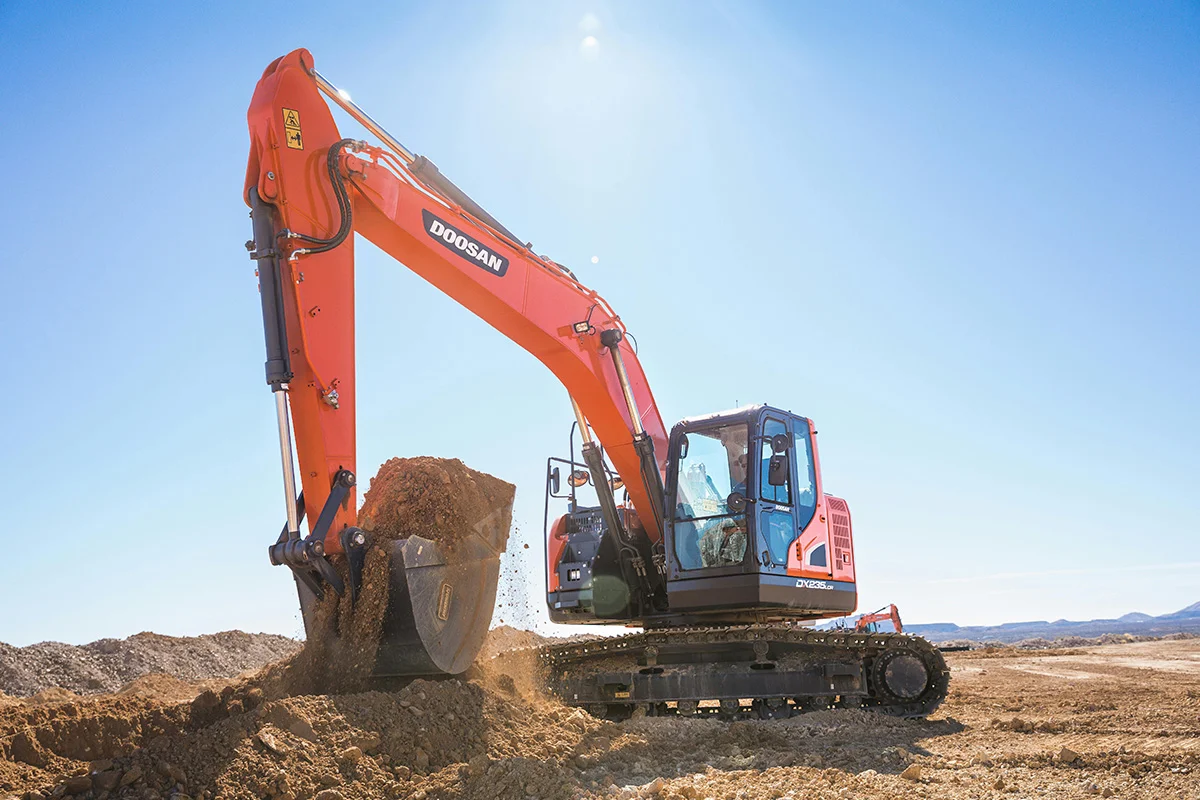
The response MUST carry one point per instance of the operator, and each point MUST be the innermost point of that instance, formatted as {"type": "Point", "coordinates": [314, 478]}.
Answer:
{"type": "Point", "coordinates": [724, 543]}
{"type": "Point", "coordinates": [737, 474]}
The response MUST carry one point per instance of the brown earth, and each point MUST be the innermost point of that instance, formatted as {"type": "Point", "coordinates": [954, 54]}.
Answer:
{"type": "Point", "coordinates": [1113, 720]}
{"type": "Point", "coordinates": [440, 499]}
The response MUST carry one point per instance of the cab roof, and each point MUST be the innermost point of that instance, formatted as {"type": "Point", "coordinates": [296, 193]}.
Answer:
{"type": "Point", "coordinates": [745, 413]}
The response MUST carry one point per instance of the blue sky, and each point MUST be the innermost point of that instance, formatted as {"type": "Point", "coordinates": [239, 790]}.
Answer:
{"type": "Point", "coordinates": [962, 237]}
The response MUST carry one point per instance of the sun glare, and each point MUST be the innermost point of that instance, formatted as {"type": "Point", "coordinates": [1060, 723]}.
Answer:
{"type": "Point", "coordinates": [590, 47]}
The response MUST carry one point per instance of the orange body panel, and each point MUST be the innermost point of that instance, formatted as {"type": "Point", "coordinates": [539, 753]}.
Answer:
{"type": "Point", "coordinates": [830, 525]}
{"type": "Point", "coordinates": [534, 302]}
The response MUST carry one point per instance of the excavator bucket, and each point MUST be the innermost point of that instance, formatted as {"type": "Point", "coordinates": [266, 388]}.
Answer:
{"type": "Point", "coordinates": [438, 605]}
{"type": "Point", "coordinates": [438, 612]}
{"type": "Point", "coordinates": [422, 585]}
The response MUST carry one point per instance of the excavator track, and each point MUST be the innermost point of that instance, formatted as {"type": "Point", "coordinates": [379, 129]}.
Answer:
{"type": "Point", "coordinates": [780, 669]}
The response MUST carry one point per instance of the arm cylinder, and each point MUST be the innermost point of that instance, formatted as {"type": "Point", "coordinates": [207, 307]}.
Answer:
{"type": "Point", "coordinates": [279, 370]}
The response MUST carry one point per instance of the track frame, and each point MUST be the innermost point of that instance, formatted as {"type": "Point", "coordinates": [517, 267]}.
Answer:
{"type": "Point", "coordinates": [769, 670]}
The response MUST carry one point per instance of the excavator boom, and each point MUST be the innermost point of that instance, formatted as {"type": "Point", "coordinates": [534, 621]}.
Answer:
{"type": "Point", "coordinates": [318, 189]}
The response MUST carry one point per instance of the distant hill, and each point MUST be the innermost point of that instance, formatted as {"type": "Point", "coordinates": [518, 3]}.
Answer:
{"type": "Point", "coordinates": [1185, 620]}
{"type": "Point", "coordinates": [1191, 612]}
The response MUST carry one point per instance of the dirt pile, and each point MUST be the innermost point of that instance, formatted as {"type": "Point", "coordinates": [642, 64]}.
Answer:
{"type": "Point", "coordinates": [438, 499]}
{"type": "Point", "coordinates": [1113, 721]}
{"type": "Point", "coordinates": [471, 739]}
{"type": "Point", "coordinates": [108, 664]}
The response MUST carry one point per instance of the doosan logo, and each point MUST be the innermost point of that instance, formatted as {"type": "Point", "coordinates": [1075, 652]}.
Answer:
{"type": "Point", "coordinates": [466, 246]}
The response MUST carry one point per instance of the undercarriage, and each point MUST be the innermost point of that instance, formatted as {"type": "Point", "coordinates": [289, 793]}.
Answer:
{"type": "Point", "coordinates": [770, 671]}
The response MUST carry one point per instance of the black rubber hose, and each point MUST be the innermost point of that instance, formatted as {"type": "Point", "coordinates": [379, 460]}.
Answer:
{"type": "Point", "coordinates": [345, 210]}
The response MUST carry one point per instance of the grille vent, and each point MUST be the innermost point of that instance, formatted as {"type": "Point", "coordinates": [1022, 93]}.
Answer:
{"type": "Point", "coordinates": [840, 529]}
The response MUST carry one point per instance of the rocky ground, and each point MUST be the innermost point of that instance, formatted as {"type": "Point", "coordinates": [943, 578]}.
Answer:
{"type": "Point", "coordinates": [1099, 721]}
{"type": "Point", "coordinates": [109, 664]}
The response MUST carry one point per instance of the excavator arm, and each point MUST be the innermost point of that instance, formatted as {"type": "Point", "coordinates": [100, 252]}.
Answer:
{"type": "Point", "coordinates": [869, 623]}
{"type": "Point", "coordinates": [310, 190]}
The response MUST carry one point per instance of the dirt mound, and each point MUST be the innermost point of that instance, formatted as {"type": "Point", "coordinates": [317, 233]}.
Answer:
{"type": "Point", "coordinates": [1114, 721]}
{"type": "Point", "coordinates": [108, 664]}
{"type": "Point", "coordinates": [430, 736]}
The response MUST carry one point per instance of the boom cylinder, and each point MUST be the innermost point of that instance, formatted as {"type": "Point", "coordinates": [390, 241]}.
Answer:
{"type": "Point", "coordinates": [643, 445]}
{"type": "Point", "coordinates": [610, 339]}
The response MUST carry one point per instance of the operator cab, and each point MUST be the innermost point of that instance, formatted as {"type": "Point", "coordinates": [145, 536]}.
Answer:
{"type": "Point", "coordinates": [749, 534]}
{"type": "Point", "coordinates": [747, 527]}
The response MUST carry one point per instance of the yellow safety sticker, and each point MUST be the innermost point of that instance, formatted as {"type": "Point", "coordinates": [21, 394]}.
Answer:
{"type": "Point", "coordinates": [291, 129]}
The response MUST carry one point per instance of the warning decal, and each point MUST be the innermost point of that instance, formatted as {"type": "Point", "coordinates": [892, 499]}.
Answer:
{"type": "Point", "coordinates": [291, 129]}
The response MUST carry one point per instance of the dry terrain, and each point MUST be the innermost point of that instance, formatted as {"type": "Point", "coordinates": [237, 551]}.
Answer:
{"type": "Point", "coordinates": [1118, 720]}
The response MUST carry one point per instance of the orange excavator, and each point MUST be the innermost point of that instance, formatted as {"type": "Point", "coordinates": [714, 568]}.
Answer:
{"type": "Point", "coordinates": [869, 623]}
{"type": "Point", "coordinates": [716, 537]}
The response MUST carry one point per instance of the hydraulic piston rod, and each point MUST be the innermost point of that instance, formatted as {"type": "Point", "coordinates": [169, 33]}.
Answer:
{"type": "Point", "coordinates": [584, 430]}
{"type": "Point", "coordinates": [611, 339]}
{"type": "Point", "coordinates": [285, 451]}
{"type": "Point", "coordinates": [342, 98]}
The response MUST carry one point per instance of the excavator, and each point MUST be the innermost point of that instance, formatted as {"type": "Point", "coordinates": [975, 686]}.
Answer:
{"type": "Point", "coordinates": [870, 622]}
{"type": "Point", "coordinates": [716, 538]}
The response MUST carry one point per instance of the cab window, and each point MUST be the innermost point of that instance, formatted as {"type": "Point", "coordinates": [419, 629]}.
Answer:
{"type": "Point", "coordinates": [712, 467]}
{"type": "Point", "coordinates": [806, 477]}
{"type": "Point", "coordinates": [779, 532]}
{"type": "Point", "coordinates": [772, 494]}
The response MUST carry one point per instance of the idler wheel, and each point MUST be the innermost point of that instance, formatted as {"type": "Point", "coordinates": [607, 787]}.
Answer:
{"type": "Point", "coordinates": [904, 675]}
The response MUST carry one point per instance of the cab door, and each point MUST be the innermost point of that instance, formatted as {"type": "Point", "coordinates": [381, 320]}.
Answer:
{"type": "Point", "coordinates": [812, 556]}
{"type": "Point", "coordinates": [776, 509]}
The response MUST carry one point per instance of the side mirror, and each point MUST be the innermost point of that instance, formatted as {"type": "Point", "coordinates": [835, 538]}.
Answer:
{"type": "Point", "coordinates": [555, 481]}
{"type": "Point", "coordinates": [777, 472]}
{"type": "Point", "coordinates": [683, 447]}
{"type": "Point", "coordinates": [736, 502]}
{"type": "Point", "coordinates": [780, 443]}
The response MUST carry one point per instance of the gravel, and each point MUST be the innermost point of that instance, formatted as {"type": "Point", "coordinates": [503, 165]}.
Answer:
{"type": "Point", "coordinates": [108, 664]}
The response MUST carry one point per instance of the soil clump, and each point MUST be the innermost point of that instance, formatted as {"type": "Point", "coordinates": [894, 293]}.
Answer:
{"type": "Point", "coordinates": [440, 499]}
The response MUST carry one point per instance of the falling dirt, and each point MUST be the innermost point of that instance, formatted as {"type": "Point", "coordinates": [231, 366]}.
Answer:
{"type": "Point", "coordinates": [438, 499]}
{"type": "Point", "coordinates": [1129, 732]}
